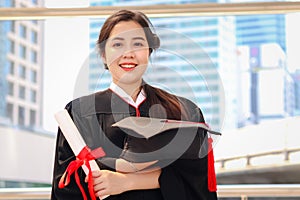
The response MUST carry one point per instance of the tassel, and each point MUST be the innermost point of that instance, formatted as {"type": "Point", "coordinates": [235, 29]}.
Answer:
{"type": "Point", "coordinates": [212, 180]}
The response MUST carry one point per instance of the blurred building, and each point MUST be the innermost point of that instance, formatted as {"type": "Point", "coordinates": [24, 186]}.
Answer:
{"type": "Point", "coordinates": [22, 147]}
{"type": "Point", "coordinates": [266, 86]}
{"type": "Point", "coordinates": [21, 68]}
{"type": "Point", "coordinates": [296, 77]}
{"type": "Point", "coordinates": [267, 79]}
{"type": "Point", "coordinates": [260, 29]}
{"type": "Point", "coordinates": [26, 157]}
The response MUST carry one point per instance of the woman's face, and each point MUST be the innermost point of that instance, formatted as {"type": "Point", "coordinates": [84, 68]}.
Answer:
{"type": "Point", "coordinates": [127, 53]}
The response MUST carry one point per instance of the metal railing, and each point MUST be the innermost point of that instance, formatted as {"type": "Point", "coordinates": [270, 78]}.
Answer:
{"type": "Point", "coordinates": [25, 193]}
{"type": "Point", "coordinates": [168, 10]}
{"type": "Point", "coordinates": [285, 152]}
{"type": "Point", "coordinates": [224, 191]}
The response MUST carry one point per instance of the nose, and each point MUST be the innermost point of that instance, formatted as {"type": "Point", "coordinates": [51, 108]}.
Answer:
{"type": "Point", "coordinates": [128, 53]}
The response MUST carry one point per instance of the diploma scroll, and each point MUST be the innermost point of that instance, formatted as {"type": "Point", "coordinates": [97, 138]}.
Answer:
{"type": "Point", "coordinates": [74, 138]}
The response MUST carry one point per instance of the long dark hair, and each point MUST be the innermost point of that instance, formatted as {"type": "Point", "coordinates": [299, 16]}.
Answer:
{"type": "Point", "coordinates": [155, 95]}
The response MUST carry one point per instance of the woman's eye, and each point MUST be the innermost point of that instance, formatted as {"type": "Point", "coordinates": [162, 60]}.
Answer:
{"type": "Point", "coordinates": [138, 44]}
{"type": "Point", "coordinates": [117, 44]}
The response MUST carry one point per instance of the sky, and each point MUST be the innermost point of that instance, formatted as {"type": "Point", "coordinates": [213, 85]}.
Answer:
{"type": "Point", "coordinates": [66, 49]}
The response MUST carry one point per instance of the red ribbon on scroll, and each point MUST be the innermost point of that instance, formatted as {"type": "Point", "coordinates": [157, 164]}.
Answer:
{"type": "Point", "coordinates": [82, 158]}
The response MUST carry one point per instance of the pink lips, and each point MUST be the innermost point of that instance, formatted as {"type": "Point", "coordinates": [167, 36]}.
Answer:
{"type": "Point", "coordinates": [128, 66]}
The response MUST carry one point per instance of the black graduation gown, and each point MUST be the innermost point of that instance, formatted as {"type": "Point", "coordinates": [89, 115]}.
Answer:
{"type": "Point", "coordinates": [93, 115]}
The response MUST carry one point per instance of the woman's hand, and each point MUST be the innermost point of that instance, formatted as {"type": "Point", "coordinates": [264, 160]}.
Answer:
{"type": "Point", "coordinates": [111, 183]}
{"type": "Point", "coordinates": [108, 183]}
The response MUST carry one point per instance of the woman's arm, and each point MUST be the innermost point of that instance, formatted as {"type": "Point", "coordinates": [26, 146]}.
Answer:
{"type": "Point", "coordinates": [125, 166]}
{"type": "Point", "coordinates": [110, 183]}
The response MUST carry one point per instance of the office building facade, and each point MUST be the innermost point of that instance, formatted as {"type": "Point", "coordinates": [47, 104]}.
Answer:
{"type": "Point", "coordinates": [261, 29]}
{"type": "Point", "coordinates": [267, 89]}
{"type": "Point", "coordinates": [21, 68]}
{"type": "Point", "coordinates": [265, 34]}
{"type": "Point", "coordinates": [296, 78]}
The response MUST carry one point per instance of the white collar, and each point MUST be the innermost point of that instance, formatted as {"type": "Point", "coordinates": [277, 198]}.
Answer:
{"type": "Point", "coordinates": [120, 92]}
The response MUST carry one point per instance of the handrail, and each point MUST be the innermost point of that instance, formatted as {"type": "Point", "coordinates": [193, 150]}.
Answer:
{"type": "Point", "coordinates": [25, 193]}
{"type": "Point", "coordinates": [259, 190]}
{"type": "Point", "coordinates": [225, 191]}
{"type": "Point", "coordinates": [168, 10]}
{"type": "Point", "coordinates": [248, 157]}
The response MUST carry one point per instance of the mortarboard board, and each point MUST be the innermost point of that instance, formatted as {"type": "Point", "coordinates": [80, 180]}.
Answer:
{"type": "Point", "coordinates": [148, 127]}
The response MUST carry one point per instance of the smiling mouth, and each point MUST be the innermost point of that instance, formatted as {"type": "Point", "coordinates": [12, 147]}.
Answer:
{"type": "Point", "coordinates": [128, 67]}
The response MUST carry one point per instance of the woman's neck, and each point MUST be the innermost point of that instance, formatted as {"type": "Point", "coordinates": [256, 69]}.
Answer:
{"type": "Point", "coordinates": [132, 90]}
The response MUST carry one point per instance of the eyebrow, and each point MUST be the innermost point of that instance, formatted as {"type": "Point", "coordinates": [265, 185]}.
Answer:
{"type": "Point", "coordinates": [135, 38]}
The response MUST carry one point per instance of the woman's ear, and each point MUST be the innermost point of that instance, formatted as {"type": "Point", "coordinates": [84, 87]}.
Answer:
{"type": "Point", "coordinates": [103, 57]}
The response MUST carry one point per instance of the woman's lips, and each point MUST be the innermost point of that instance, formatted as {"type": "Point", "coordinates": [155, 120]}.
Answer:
{"type": "Point", "coordinates": [128, 66]}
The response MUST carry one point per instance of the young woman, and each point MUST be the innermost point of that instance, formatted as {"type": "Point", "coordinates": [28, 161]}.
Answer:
{"type": "Point", "coordinates": [126, 42]}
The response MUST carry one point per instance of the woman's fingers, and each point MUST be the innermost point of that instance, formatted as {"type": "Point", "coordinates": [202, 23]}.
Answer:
{"type": "Point", "coordinates": [108, 183]}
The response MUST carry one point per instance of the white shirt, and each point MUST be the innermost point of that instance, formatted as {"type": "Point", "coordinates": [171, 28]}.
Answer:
{"type": "Point", "coordinates": [127, 98]}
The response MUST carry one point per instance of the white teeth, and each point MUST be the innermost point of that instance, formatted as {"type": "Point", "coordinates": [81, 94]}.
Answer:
{"type": "Point", "coordinates": [128, 66]}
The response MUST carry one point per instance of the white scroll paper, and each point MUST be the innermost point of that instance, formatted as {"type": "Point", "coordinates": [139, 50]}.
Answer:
{"type": "Point", "coordinates": [73, 137]}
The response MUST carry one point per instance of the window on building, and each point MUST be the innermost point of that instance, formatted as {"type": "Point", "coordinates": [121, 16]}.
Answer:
{"type": "Point", "coordinates": [33, 56]}
{"type": "Point", "coordinates": [34, 2]}
{"type": "Point", "coordinates": [22, 51]}
{"type": "Point", "coordinates": [12, 26]}
{"type": "Point", "coordinates": [9, 111]}
{"type": "Point", "coordinates": [33, 76]}
{"type": "Point", "coordinates": [22, 71]}
{"type": "Point", "coordinates": [32, 95]}
{"type": "Point", "coordinates": [11, 66]}
{"type": "Point", "coordinates": [22, 31]}
{"type": "Point", "coordinates": [21, 116]}
{"type": "Point", "coordinates": [32, 118]}
{"type": "Point", "coordinates": [22, 92]}
{"type": "Point", "coordinates": [10, 88]}
{"type": "Point", "coordinates": [33, 37]}
{"type": "Point", "coordinates": [11, 46]}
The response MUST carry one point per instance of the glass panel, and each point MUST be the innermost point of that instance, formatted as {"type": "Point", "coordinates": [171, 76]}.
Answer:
{"type": "Point", "coordinates": [11, 46]}
{"type": "Point", "coordinates": [34, 37]}
{"type": "Point", "coordinates": [21, 92]}
{"type": "Point", "coordinates": [33, 96]}
{"type": "Point", "coordinates": [33, 56]}
{"type": "Point", "coordinates": [32, 117]}
{"type": "Point", "coordinates": [10, 89]}
{"type": "Point", "coordinates": [12, 26]}
{"type": "Point", "coordinates": [33, 77]}
{"type": "Point", "coordinates": [11, 67]}
{"type": "Point", "coordinates": [21, 116]}
{"type": "Point", "coordinates": [23, 31]}
{"type": "Point", "coordinates": [22, 51]}
{"type": "Point", "coordinates": [9, 112]}
{"type": "Point", "coordinates": [22, 71]}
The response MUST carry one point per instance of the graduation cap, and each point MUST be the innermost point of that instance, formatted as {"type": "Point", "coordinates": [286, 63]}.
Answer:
{"type": "Point", "coordinates": [148, 127]}
{"type": "Point", "coordinates": [165, 139]}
